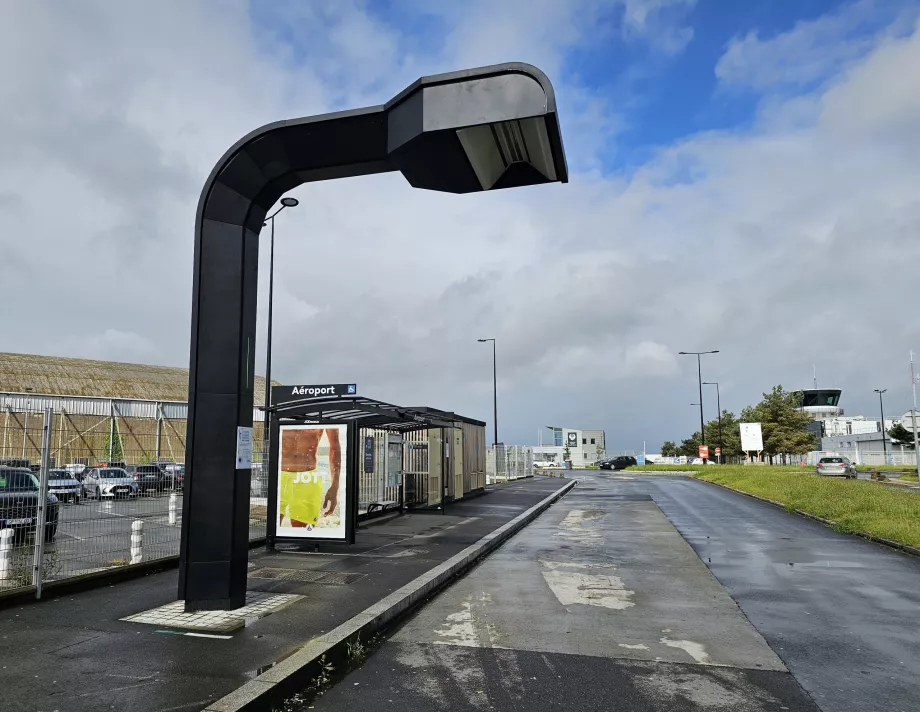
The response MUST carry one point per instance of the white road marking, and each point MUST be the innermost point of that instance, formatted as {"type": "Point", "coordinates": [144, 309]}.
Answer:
{"type": "Point", "coordinates": [574, 587]}
{"type": "Point", "coordinates": [468, 520]}
{"type": "Point", "coordinates": [694, 650]}
{"type": "Point", "coordinates": [210, 635]}
{"type": "Point", "coordinates": [459, 629]}
{"type": "Point", "coordinates": [582, 526]}
{"type": "Point", "coordinates": [640, 646]}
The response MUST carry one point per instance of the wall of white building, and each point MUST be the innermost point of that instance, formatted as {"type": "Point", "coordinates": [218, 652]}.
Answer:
{"type": "Point", "coordinates": [585, 447]}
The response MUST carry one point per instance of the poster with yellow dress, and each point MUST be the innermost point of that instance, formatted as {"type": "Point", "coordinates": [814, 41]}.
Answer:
{"type": "Point", "coordinates": [311, 482]}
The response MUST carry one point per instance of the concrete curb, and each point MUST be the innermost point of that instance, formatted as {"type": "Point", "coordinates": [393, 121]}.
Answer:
{"type": "Point", "coordinates": [297, 671]}
{"type": "Point", "coordinates": [906, 548]}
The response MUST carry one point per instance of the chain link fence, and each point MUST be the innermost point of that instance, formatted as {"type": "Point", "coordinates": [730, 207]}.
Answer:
{"type": "Point", "coordinates": [110, 493]}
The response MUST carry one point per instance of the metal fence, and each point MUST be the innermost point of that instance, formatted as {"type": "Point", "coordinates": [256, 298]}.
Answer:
{"type": "Point", "coordinates": [109, 495]}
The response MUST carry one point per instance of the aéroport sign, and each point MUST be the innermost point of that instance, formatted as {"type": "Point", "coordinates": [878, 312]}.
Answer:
{"type": "Point", "coordinates": [286, 394]}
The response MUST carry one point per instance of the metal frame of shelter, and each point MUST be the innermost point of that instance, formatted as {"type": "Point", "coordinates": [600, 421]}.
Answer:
{"type": "Point", "coordinates": [355, 412]}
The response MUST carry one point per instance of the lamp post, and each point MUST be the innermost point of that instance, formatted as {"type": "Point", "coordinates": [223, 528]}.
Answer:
{"type": "Point", "coordinates": [719, 406]}
{"type": "Point", "coordinates": [699, 370]}
{"type": "Point", "coordinates": [463, 132]}
{"type": "Point", "coordinates": [494, 388]}
{"type": "Point", "coordinates": [881, 406]}
{"type": "Point", "coordinates": [913, 414]}
{"type": "Point", "coordinates": [285, 203]}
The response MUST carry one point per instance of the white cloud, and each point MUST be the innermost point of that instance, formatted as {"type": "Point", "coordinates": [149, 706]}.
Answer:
{"type": "Point", "coordinates": [812, 50]}
{"type": "Point", "coordinates": [786, 245]}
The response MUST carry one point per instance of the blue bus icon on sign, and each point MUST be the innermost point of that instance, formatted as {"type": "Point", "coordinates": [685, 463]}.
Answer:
{"type": "Point", "coordinates": [352, 389]}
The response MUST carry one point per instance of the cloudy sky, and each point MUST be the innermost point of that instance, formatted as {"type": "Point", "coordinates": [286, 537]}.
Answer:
{"type": "Point", "coordinates": [744, 177]}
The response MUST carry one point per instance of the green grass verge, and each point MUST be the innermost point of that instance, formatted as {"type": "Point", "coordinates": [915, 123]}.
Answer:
{"type": "Point", "coordinates": [855, 505]}
{"type": "Point", "coordinates": [908, 478]}
{"type": "Point", "coordinates": [707, 468]}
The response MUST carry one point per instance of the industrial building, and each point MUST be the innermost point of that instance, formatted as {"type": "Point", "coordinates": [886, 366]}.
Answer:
{"type": "Point", "coordinates": [118, 412]}
{"type": "Point", "coordinates": [582, 447]}
{"type": "Point", "coordinates": [864, 440]}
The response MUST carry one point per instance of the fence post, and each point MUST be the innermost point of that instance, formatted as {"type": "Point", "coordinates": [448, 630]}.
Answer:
{"type": "Point", "coordinates": [172, 508]}
{"type": "Point", "coordinates": [137, 541]}
{"type": "Point", "coordinates": [38, 562]}
{"type": "Point", "coordinates": [6, 552]}
{"type": "Point", "coordinates": [159, 430]}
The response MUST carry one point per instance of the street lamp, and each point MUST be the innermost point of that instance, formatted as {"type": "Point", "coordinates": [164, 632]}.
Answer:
{"type": "Point", "coordinates": [699, 370]}
{"type": "Point", "coordinates": [286, 202]}
{"type": "Point", "coordinates": [881, 406]}
{"type": "Point", "coordinates": [719, 406]}
{"type": "Point", "coordinates": [494, 387]}
{"type": "Point", "coordinates": [469, 131]}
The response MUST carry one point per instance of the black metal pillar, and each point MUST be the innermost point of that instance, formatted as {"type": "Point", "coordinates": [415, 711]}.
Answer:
{"type": "Point", "coordinates": [215, 508]}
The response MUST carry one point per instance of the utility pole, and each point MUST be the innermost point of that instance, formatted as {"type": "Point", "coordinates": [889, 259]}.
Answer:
{"type": "Point", "coordinates": [494, 387]}
{"type": "Point", "coordinates": [699, 370]}
{"type": "Point", "coordinates": [913, 413]}
{"type": "Point", "coordinates": [719, 406]}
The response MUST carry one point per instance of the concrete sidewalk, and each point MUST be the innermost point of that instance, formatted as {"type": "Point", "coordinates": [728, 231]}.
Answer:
{"type": "Point", "coordinates": [77, 653]}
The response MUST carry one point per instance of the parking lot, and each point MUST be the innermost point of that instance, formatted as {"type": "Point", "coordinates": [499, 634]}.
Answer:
{"type": "Point", "coordinates": [94, 535]}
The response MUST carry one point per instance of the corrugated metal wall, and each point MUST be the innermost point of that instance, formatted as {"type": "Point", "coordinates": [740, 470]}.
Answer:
{"type": "Point", "coordinates": [83, 428]}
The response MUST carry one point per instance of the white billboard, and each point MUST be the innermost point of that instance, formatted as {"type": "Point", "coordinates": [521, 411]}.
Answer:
{"type": "Point", "coordinates": [751, 437]}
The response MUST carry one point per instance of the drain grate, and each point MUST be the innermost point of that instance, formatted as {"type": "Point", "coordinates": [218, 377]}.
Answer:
{"type": "Point", "coordinates": [334, 578]}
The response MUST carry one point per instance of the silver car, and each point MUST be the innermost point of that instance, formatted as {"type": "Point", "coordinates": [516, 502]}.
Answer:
{"type": "Point", "coordinates": [114, 482]}
{"type": "Point", "coordinates": [63, 485]}
{"type": "Point", "coordinates": [836, 466]}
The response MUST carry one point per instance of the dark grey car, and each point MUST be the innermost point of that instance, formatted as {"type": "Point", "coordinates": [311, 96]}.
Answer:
{"type": "Point", "coordinates": [63, 485]}
{"type": "Point", "coordinates": [19, 504]}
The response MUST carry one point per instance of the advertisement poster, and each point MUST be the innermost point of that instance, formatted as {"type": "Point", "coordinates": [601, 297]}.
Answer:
{"type": "Point", "coordinates": [312, 482]}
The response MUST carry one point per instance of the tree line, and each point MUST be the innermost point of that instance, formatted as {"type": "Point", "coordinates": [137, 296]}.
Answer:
{"type": "Point", "coordinates": [783, 425]}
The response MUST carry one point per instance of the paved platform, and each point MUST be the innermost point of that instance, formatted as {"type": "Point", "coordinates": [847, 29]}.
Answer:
{"type": "Point", "coordinates": [599, 604]}
{"type": "Point", "coordinates": [75, 652]}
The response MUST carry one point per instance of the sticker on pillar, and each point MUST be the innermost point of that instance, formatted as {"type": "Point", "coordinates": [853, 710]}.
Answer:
{"type": "Point", "coordinates": [311, 482]}
{"type": "Point", "coordinates": [243, 448]}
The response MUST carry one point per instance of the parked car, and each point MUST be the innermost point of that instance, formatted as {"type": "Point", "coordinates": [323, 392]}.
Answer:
{"type": "Point", "coordinates": [99, 482]}
{"type": "Point", "coordinates": [16, 462]}
{"type": "Point", "coordinates": [836, 466]}
{"type": "Point", "coordinates": [19, 494]}
{"type": "Point", "coordinates": [175, 475]}
{"type": "Point", "coordinates": [620, 462]}
{"type": "Point", "coordinates": [148, 477]}
{"type": "Point", "coordinates": [63, 485]}
{"type": "Point", "coordinates": [547, 465]}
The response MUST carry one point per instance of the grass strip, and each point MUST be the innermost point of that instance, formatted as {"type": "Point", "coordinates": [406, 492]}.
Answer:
{"type": "Point", "coordinates": [855, 505]}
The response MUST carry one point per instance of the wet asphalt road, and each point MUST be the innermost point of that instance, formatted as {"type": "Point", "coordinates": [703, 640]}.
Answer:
{"type": "Point", "coordinates": [841, 612]}
{"type": "Point", "coordinates": [545, 623]}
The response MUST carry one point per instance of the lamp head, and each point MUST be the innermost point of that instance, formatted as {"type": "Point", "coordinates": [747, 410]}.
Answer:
{"type": "Point", "coordinates": [476, 130]}
{"type": "Point", "coordinates": [290, 202]}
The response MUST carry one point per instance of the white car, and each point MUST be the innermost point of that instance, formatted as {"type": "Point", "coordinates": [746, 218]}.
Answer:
{"type": "Point", "coordinates": [111, 482]}
{"type": "Point", "coordinates": [546, 465]}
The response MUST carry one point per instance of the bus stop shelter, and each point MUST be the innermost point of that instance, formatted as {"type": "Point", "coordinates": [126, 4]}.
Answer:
{"type": "Point", "coordinates": [332, 414]}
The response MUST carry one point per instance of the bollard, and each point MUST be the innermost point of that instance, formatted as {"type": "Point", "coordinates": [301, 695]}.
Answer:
{"type": "Point", "coordinates": [108, 504]}
{"type": "Point", "coordinates": [6, 553]}
{"type": "Point", "coordinates": [137, 541]}
{"type": "Point", "coordinates": [172, 508]}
